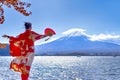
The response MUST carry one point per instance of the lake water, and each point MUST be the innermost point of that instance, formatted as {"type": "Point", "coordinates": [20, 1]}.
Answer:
{"type": "Point", "coordinates": [67, 68]}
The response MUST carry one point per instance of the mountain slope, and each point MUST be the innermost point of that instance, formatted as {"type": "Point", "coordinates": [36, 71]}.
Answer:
{"type": "Point", "coordinates": [77, 45]}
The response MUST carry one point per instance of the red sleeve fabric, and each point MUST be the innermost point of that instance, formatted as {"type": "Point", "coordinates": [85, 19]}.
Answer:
{"type": "Point", "coordinates": [15, 49]}
{"type": "Point", "coordinates": [36, 35]}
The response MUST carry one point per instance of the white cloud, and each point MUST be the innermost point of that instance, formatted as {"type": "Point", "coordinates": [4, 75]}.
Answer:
{"type": "Point", "coordinates": [104, 37]}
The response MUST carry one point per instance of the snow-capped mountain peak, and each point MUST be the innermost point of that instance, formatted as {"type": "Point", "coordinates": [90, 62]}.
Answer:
{"type": "Point", "coordinates": [74, 32]}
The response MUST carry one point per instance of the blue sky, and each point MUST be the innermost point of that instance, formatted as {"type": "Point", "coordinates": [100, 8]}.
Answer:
{"type": "Point", "coordinates": [95, 16]}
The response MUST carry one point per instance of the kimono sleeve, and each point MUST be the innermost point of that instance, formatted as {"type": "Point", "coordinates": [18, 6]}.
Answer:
{"type": "Point", "coordinates": [15, 44]}
{"type": "Point", "coordinates": [37, 36]}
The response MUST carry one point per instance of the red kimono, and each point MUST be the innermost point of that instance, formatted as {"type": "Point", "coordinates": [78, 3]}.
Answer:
{"type": "Point", "coordinates": [22, 48]}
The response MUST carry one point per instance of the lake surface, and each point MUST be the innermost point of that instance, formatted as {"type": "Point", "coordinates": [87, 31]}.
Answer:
{"type": "Point", "coordinates": [66, 68]}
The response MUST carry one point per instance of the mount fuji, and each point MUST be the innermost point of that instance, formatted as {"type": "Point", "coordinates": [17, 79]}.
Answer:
{"type": "Point", "coordinates": [77, 42]}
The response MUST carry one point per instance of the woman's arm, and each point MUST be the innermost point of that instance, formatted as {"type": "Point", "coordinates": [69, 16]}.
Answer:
{"type": "Point", "coordinates": [38, 36]}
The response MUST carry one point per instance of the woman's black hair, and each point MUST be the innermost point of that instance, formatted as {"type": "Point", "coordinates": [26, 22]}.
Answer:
{"type": "Point", "coordinates": [27, 25]}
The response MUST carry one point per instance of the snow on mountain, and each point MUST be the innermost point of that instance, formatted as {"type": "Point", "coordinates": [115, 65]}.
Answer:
{"type": "Point", "coordinates": [74, 32]}
{"type": "Point", "coordinates": [77, 42]}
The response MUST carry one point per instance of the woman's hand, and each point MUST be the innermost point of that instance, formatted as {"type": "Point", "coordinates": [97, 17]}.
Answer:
{"type": "Point", "coordinates": [5, 36]}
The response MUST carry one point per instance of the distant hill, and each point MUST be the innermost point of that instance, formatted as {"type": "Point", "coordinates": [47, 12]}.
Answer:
{"type": "Point", "coordinates": [4, 51]}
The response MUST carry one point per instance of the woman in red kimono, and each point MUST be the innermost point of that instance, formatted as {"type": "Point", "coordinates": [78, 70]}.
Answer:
{"type": "Point", "coordinates": [22, 48]}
